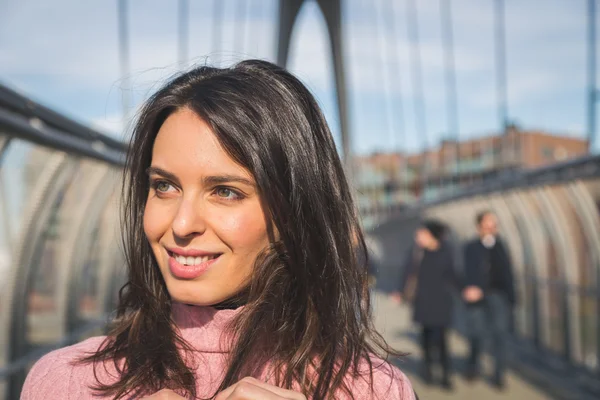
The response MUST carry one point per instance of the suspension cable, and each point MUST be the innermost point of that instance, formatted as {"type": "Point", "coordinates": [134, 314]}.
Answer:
{"type": "Point", "coordinates": [592, 92]}
{"type": "Point", "coordinates": [451, 91]}
{"type": "Point", "coordinates": [123, 34]}
{"type": "Point", "coordinates": [217, 31]}
{"type": "Point", "coordinates": [247, 25]}
{"type": "Point", "coordinates": [381, 28]}
{"type": "Point", "coordinates": [239, 28]}
{"type": "Point", "coordinates": [501, 91]}
{"type": "Point", "coordinates": [183, 32]}
{"type": "Point", "coordinates": [417, 85]}
{"type": "Point", "coordinates": [400, 116]}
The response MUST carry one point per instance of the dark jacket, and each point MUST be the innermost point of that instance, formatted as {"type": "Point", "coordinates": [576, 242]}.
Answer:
{"type": "Point", "coordinates": [436, 279]}
{"type": "Point", "coordinates": [489, 269]}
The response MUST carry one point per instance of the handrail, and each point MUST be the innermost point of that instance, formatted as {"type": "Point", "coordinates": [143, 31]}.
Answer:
{"type": "Point", "coordinates": [34, 130]}
{"type": "Point", "coordinates": [25, 119]}
{"type": "Point", "coordinates": [22, 363]}
{"type": "Point", "coordinates": [581, 168]}
{"type": "Point", "coordinates": [20, 104]}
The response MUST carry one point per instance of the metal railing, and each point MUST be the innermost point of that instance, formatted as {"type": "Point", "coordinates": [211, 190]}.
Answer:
{"type": "Point", "coordinates": [61, 260]}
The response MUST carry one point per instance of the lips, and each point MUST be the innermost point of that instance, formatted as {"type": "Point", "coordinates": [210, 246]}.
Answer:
{"type": "Point", "coordinates": [190, 265]}
{"type": "Point", "coordinates": [189, 261]}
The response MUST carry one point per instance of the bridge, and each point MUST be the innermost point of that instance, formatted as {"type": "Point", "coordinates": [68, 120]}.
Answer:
{"type": "Point", "coordinates": [60, 182]}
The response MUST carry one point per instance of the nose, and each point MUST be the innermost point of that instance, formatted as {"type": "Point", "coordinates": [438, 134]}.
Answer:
{"type": "Point", "coordinates": [189, 219]}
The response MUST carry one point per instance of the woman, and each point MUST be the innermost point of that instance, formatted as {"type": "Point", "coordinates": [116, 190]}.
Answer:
{"type": "Point", "coordinates": [427, 281]}
{"type": "Point", "coordinates": [243, 280]}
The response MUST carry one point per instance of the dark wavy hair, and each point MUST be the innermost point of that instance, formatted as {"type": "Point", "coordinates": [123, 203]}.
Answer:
{"type": "Point", "coordinates": [308, 293]}
{"type": "Point", "coordinates": [437, 228]}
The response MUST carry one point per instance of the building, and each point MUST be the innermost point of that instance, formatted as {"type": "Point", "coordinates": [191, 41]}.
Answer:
{"type": "Point", "coordinates": [384, 179]}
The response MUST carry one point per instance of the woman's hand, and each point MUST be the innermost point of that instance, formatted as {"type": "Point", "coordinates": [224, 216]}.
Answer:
{"type": "Point", "coordinates": [253, 389]}
{"type": "Point", "coordinates": [164, 394]}
{"type": "Point", "coordinates": [396, 297]}
{"type": "Point", "coordinates": [472, 294]}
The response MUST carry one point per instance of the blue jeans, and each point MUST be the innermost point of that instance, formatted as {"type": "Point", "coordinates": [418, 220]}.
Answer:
{"type": "Point", "coordinates": [490, 319]}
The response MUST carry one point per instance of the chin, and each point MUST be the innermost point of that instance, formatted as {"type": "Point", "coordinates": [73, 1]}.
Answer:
{"type": "Point", "coordinates": [193, 294]}
{"type": "Point", "coordinates": [193, 298]}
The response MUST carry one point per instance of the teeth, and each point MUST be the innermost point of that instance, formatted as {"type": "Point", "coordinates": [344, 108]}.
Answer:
{"type": "Point", "coordinates": [192, 260]}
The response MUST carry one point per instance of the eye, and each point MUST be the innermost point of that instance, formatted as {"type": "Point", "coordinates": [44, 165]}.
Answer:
{"type": "Point", "coordinates": [226, 193]}
{"type": "Point", "coordinates": [161, 186]}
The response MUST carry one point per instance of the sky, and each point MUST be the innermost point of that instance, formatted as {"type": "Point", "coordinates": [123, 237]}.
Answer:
{"type": "Point", "coordinates": [64, 54]}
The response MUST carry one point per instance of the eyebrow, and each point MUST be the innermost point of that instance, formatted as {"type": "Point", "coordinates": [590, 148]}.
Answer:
{"type": "Point", "coordinates": [161, 172]}
{"type": "Point", "coordinates": [220, 179]}
{"type": "Point", "coordinates": [208, 180]}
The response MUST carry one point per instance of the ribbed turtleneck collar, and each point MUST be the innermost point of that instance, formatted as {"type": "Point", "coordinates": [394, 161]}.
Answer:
{"type": "Point", "coordinates": [205, 328]}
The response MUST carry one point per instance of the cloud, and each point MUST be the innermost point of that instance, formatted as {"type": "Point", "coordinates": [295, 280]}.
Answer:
{"type": "Point", "coordinates": [77, 51]}
{"type": "Point", "coordinates": [111, 125]}
{"type": "Point", "coordinates": [71, 62]}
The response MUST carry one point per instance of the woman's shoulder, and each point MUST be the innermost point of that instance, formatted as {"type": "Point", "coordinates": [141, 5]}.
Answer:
{"type": "Point", "coordinates": [58, 375]}
{"type": "Point", "coordinates": [389, 382]}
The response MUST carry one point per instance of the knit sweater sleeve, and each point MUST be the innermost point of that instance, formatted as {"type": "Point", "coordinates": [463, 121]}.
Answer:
{"type": "Point", "coordinates": [388, 383]}
{"type": "Point", "coordinates": [57, 376]}
{"type": "Point", "coordinates": [47, 379]}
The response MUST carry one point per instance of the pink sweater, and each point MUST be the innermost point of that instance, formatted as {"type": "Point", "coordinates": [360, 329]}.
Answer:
{"type": "Point", "coordinates": [54, 377]}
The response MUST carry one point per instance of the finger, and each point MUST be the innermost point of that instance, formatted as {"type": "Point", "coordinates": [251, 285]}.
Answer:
{"type": "Point", "coordinates": [156, 396]}
{"type": "Point", "coordinates": [251, 384]}
{"type": "Point", "coordinates": [286, 393]}
{"type": "Point", "coordinates": [247, 391]}
{"type": "Point", "coordinates": [254, 389]}
{"type": "Point", "coordinates": [164, 394]}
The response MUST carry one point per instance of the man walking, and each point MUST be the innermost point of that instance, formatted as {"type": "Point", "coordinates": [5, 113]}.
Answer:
{"type": "Point", "coordinates": [489, 294]}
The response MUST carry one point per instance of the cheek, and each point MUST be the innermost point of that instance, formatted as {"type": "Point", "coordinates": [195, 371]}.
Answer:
{"type": "Point", "coordinates": [244, 232]}
{"type": "Point", "coordinates": [154, 222]}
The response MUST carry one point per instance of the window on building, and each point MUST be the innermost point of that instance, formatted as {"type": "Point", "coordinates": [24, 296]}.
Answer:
{"type": "Point", "coordinates": [561, 153]}
{"type": "Point", "coordinates": [547, 153]}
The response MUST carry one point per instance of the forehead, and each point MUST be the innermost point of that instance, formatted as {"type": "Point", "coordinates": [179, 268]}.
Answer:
{"type": "Point", "coordinates": [186, 145]}
{"type": "Point", "coordinates": [489, 218]}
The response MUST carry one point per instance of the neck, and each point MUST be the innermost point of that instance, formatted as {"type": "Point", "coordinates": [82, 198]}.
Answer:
{"type": "Point", "coordinates": [433, 246]}
{"type": "Point", "coordinates": [206, 328]}
{"type": "Point", "coordinates": [234, 302]}
{"type": "Point", "coordinates": [488, 240]}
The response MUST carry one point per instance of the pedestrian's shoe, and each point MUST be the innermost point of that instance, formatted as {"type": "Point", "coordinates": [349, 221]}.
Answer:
{"type": "Point", "coordinates": [427, 375]}
{"type": "Point", "coordinates": [447, 385]}
{"type": "Point", "coordinates": [499, 384]}
{"type": "Point", "coordinates": [471, 374]}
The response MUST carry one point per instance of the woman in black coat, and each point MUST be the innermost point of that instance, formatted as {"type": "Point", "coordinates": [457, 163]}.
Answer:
{"type": "Point", "coordinates": [427, 281]}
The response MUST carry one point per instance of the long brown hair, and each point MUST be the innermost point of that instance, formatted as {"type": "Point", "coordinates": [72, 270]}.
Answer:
{"type": "Point", "coordinates": [308, 293]}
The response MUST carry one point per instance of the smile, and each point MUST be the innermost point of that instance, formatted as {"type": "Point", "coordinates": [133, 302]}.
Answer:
{"type": "Point", "coordinates": [191, 265]}
{"type": "Point", "coordinates": [190, 261]}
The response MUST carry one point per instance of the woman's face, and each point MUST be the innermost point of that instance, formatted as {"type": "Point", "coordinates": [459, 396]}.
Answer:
{"type": "Point", "coordinates": [203, 216]}
{"type": "Point", "coordinates": [425, 239]}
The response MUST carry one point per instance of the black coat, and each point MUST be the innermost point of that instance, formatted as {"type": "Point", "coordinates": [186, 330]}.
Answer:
{"type": "Point", "coordinates": [436, 279]}
{"type": "Point", "coordinates": [478, 272]}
